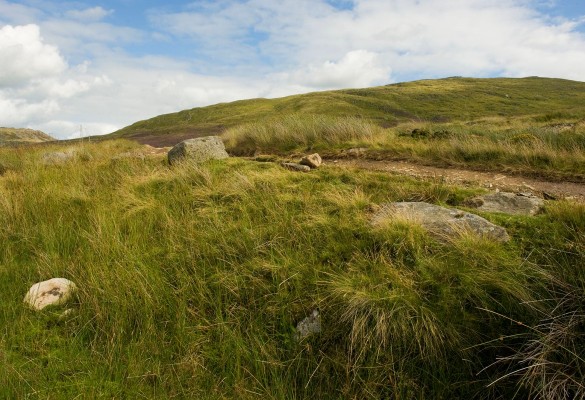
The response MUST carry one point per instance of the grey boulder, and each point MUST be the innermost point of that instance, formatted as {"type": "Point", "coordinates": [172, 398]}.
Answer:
{"type": "Point", "coordinates": [509, 203]}
{"type": "Point", "coordinates": [198, 150]}
{"type": "Point", "coordinates": [439, 221]}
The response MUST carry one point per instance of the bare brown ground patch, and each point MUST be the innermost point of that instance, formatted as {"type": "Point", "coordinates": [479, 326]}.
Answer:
{"type": "Point", "coordinates": [488, 180]}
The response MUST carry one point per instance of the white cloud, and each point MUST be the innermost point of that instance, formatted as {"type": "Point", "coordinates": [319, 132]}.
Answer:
{"type": "Point", "coordinates": [17, 14]}
{"type": "Point", "coordinates": [64, 89]}
{"type": "Point", "coordinates": [424, 38]}
{"type": "Point", "coordinates": [89, 14]}
{"type": "Point", "coordinates": [19, 112]}
{"type": "Point", "coordinates": [358, 68]}
{"type": "Point", "coordinates": [25, 57]}
{"type": "Point", "coordinates": [253, 48]}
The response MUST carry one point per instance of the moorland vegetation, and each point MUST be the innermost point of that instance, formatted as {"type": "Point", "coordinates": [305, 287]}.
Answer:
{"type": "Point", "coordinates": [192, 277]}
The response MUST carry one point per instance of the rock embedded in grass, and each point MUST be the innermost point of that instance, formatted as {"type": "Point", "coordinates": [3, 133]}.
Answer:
{"type": "Point", "coordinates": [439, 221]}
{"type": "Point", "coordinates": [58, 157]}
{"type": "Point", "coordinates": [509, 203]}
{"type": "Point", "coordinates": [355, 152]}
{"type": "Point", "coordinates": [309, 326]}
{"type": "Point", "coordinates": [312, 161]}
{"type": "Point", "coordinates": [296, 167]}
{"type": "Point", "coordinates": [54, 291]}
{"type": "Point", "coordinates": [198, 150]}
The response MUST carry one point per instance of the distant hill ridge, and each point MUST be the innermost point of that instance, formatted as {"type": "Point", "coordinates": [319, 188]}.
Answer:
{"type": "Point", "coordinates": [22, 135]}
{"type": "Point", "coordinates": [440, 100]}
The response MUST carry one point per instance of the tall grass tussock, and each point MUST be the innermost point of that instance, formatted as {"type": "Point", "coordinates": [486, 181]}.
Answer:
{"type": "Point", "coordinates": [192, 279]}
{"type": "Point", "coordinates": [296, 131]}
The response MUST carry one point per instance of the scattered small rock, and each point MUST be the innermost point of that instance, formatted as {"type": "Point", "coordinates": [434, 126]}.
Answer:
{"type": "Point", "coordinates": [55, 291]}
{"type": "Point", "coordinates": [312, 161]}
{"type": "Point", "coordinates": [309, 326]}
{"type": "Point", "coordinates": [198, 150]}
{"type": "Point", "coordinates": [508, 203]}
{"type": "Point", "coordinates": [440, 221]}
{"type": "Point", "coordinates": [296, 167]}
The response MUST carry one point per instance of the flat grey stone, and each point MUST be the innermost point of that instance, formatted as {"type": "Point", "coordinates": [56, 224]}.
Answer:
{"type": "Point", "coordinates": [440, 221]}
{"type": "Point", "coordinates": [296, 167]}
{"type": "Point", "coordinates": [509, 203]}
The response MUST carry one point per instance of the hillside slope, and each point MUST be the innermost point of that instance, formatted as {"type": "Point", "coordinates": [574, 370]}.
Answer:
{"type": "Point", "coordinates": [450, 99]}
{"type": "Point", "coordinates": [10, 136]}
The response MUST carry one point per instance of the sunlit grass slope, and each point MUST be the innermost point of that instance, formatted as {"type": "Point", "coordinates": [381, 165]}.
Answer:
{"type": "Point", "coordinates": [9, 136]}
{"type": "Point", "coordinates": [451, 99]}
{"type": "Point", "coordinates": [192, 278]}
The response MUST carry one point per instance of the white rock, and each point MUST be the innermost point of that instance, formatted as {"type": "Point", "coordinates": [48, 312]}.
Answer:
{"type": "Point", "coordinates": [55, 291]}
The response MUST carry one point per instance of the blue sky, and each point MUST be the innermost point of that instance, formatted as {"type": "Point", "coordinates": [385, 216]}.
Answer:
{"type": "Point", "coordinates": [106, 64]}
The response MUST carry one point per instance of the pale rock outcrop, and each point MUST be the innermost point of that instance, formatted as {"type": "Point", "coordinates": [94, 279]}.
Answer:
{"type": "Point", "coordinates": [439, 221]}
{"type": "Point", "coordinates": [508, 203]}
{"type": "Point", "coordinates": [58, 157]}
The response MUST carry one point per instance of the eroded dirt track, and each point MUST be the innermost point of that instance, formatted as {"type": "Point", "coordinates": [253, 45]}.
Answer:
{"type": "Point", "coordinates": [489, 180]}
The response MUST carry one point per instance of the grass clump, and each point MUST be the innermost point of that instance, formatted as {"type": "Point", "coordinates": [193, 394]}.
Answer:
{"type": "Point", "coordinates": [192, 279]}
{"type": "Point", "coordinates": [299, 132]}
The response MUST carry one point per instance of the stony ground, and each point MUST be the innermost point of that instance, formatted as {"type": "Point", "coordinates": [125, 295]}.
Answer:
{"type": "Point", "coordinates": [489, 180]}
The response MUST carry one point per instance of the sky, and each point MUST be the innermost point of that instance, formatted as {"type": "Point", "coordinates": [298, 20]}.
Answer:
{"type": "Point", "coordinates": [77, 68]}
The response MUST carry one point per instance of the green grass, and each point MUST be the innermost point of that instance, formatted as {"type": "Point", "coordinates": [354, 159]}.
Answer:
{"type": "Point", "coordinates": [518, 145]}
{"type": "Point", "coordinates": [192, 278]}
{"type": "Point", "coordinates": [529, 126]}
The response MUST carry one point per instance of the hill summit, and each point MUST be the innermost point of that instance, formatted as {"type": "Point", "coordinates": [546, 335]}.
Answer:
{"type": "Point", "coordinates": [440, 100]}
{"type": "Point", "coordinates": [10, 136]}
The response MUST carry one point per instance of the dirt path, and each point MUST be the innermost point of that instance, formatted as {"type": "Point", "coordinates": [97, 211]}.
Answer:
{"type": "Point", "coordinates": [489, 180]}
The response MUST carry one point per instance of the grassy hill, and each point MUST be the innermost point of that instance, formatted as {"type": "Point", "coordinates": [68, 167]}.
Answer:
{"type": "Point", "coordinates": [443, 100]}
{"type": "Point", "coordinates": [9, 136]}
{"type": "Point", "coordinates": [192, 279]}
